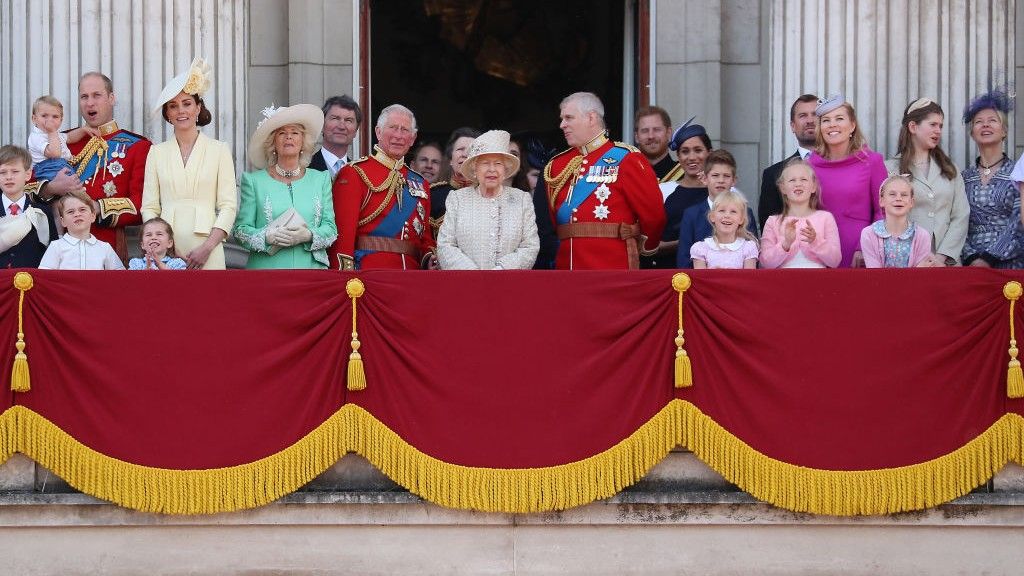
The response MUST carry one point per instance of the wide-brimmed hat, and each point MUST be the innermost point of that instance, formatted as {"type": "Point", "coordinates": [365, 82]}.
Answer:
{"type": "Point", "coordinates": [196, 81]}
{"type": "Point", "coordinates": [490, 142]}
{"type": "Point", "coordinates": [310, 117]}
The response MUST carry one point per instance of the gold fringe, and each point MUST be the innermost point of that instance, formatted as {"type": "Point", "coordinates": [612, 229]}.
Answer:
{"type": "Point", "coordinates": [1014, 377]}
{"type": "Point", "coordinates": [21, 380]}
{"type": "Point", "coordinates": [851, 493]}
{"type": "Point", "coordinates": [356, 378]}
{"type": "Point", "coordinates": [684, 372]}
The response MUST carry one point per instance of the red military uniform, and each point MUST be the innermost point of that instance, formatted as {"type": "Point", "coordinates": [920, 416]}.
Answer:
{"type": "Point", "coordinates": [382, 209]}
{"type": "Point", "coordinates": [113, 171]}
{"type": "Point", "coordinates": [601, 231]}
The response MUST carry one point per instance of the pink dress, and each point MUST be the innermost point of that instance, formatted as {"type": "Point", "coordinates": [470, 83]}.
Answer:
{"type": "Point", "coordinates": [824, 252]}
{"type": "Point", "coordinates": [849, 190]}
{"type": "Point", "coordinates": [724, 255]}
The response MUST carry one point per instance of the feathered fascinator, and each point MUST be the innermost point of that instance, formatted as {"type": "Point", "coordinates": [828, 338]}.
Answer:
{"type": "Point", "coordinates": [1000, 99]}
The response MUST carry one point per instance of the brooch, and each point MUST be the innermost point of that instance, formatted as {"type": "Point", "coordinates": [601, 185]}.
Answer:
{"type": "Point", "coordinates": [115, 168]}
{"type": "Point", "coordinates": [109, 188]}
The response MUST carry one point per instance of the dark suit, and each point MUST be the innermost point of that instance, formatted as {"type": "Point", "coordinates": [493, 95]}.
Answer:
{"type": "Point", "coordinates": [28, 252]}
{"type": "Point", "coordinates": [318, 163]}
{"type": "Point", "coordinates": [695, 227]}
{"type": "Point", "coordinates": [770, 202]}
{"type": "Point", "coordinates": [545, 228]}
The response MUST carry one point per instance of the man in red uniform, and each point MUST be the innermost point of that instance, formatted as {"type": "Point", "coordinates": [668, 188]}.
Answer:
{"type": "Point", "coordinates": [111, 167]}
{"type": "Point", "coordinates": [381, 206]}
{"type": "Point", "coordinates": [603, 195]}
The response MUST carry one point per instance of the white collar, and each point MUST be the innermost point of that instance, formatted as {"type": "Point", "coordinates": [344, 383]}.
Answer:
{"type": "Point", "coordinates": [67, 237]}
{"type": "Point", "coordinates": [21, 202]}
{"type": "Point", "coordinates": [803, 152]}
{"type": "Point", "coordinates": [330, 158]}
{"type": "Point", "coordinates": [732, 246]}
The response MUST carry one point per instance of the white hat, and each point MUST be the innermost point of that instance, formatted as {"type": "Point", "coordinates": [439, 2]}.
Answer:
{"type": "Point", "coordinates": [195, 81]}
{"type": "Point", "coordinates": [310, 117]}
{"type": "Point", "coordinates": [490, 142]}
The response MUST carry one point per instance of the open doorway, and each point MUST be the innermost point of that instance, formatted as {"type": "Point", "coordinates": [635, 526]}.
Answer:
{"type": "Point", "coordinates": [496, 63]}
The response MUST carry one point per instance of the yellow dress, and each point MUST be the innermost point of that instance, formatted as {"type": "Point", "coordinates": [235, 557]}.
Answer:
{"type": "Point", "coordinates": [195, 197]}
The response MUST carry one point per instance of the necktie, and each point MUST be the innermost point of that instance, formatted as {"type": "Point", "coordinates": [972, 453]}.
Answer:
{"type": "Point", "coordinates": [15, 209]}
{"type": "Point", "coordinates": [338, 164]}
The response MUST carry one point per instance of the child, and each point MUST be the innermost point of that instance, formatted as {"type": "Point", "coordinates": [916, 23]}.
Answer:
{"type": "Point", "coordinates": [720, 177]}
{"type": "Point", "coordinates": [25, 228]}
{"type": "Point", "coordinates": [78, 249]}
{"type": "Point", "coordinates": [895, 242]}
{"type": "Point", "coordinates": [731, 245]}
{"type": "Point", "coordinates": [802, 236]}
{"type": "Point", "coordinates": [46, 143]}
{"type": "Point", "coordinates": [157, 247]}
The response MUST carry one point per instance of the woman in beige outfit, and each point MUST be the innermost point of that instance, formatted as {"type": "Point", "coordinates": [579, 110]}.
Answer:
{"type": "Point", "coordinates": [488, 226]}
{"type": "Point", "coordinates": [190, 179]}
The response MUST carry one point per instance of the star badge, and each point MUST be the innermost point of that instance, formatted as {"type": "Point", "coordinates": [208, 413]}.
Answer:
{"type": "Point", "coordinates": [601, 212]}
{"type": "Point", "coordinates": [115, 168]}
{"type": "Point", "coordinates": [602, 193]}
{"type": "Point", "coordinates": [109, 189]}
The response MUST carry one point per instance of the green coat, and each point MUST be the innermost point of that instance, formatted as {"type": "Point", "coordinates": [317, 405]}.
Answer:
{"type": "Point", "coordinates": [264, 199]}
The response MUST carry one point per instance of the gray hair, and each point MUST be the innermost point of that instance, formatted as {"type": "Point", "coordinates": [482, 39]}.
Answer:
{"type": "Point", "coordinates": [587, 102]}
{"type": "Point", "coordinates": [305, 154]}
{"type": "Point", "coordinates": [386, 113]}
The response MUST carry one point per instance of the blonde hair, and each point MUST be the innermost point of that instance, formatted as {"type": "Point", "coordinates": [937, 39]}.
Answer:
{"type": "Point", "coordinates": [79, 195]}
{"type": "Point", "coordinates": [732, 197]}
{"type": "Point", "coordinates": [305, 155]}
{"type": "Point", "coordinates": [857, 140]}
{"type": "Point", "coordinates": [814, 202]}
{"type": "Point", "coordinates": [49, 100]}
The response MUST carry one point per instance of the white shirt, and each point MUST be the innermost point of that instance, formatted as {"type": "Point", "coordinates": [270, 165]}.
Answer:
{"type": "Point", "coordinates": [37, 141]}
{"type": "Point", "coordinates": [7, 204]}
{"type": "Point", "coordinates": [332, 162]}
{"type": "Point", "coordinates": [803, 152]}
{"type": "Point", "coordinates": [70, 253]}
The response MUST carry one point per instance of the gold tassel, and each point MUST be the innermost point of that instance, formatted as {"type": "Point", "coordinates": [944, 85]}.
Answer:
{"type": "Point", "coordinates": [356, 375]}
{"type": "Point", "coordinates": [684, 372]}
{"type": "Point", "coordinates": [21, 381]}
{"type": "Point", "coordinates": [1014, 377]}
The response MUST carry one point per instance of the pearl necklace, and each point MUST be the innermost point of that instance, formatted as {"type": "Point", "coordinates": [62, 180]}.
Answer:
{"type": "Point", "coordinates": [287, 173]}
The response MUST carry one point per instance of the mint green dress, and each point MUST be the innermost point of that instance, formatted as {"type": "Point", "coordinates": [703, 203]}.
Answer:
{"type": "Point", "coordinates": [264, 199]}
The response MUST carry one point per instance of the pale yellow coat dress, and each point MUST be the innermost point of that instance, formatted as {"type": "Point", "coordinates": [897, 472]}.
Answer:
{"type": "Point", "coordinates": [194, 198]}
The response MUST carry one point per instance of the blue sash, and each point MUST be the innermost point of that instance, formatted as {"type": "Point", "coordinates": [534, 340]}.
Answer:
{"type": "Point", "coordinates": [396, 218]}
{"type": "Point", "coordinates": [583, 189]}
{"type": "Point", "coordinates": [119, 142]}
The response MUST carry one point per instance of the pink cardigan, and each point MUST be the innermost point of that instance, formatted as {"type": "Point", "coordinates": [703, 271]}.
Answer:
{"type": "Point", "coordinates": [871, 246]}
{"type": "Point", "coordinates": [825, 249]}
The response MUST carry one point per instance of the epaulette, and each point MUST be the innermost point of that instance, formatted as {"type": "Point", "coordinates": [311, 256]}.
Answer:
{"type": "Point", "coordinates": [358, 160]}
{"type": "Point", "coordinates": [416, 173]}
{"type": "Point", "coordinates": [439, 183]}
{"type": "Point", "coordinates": [567, 150]}
{"type": "Point", "coordinates": [130, 133]}
{"type": "Point", "coordinates": [629, 147]}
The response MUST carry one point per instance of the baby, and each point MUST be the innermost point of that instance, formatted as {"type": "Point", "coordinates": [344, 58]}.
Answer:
{"type": "Point", "coordinates": [46, 143]}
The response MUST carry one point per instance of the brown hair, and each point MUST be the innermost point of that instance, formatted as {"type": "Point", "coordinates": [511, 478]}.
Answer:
{"type": "Point", "coordinates": [653, 111]}
{"type": "Point", "coordinates": [11, 153]}
{"type": "Point", "coordinates": [803, 98]}
{"type": "Point", "coordinates": [857, 140]}
{"type": "Point", "coordinates": [814, 201]}
{"type": "Point", "coordinates": [79, 195]}
{"type": "Point", "coordinates": [205, 117]}
{"type": "Point", "coordinates": [170, 233]}
{"type": "Point", "coordinates": [720, 156]}
{"type": "Point", "coordinates": [47, 100]}
{"type": "Point", "coordinates": [905, 143]}
{"type": "Point", "coordinates": [106, 80]}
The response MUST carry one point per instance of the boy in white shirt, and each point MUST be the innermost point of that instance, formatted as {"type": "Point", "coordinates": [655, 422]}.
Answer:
{"type": "Point", "coordinates": [78, 249]}
{"type": "Point", "coordinates": [46, 143]}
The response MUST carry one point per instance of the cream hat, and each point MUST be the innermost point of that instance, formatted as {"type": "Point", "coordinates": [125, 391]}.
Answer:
{"type": "Point", "coordinates": [195, 81]}
{"type": "Point", "coordinates": [490, 142]}
{"type": "Point", "coordinates": [310, 117]}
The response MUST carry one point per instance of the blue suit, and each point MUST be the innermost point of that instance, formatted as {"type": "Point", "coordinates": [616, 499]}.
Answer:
{"type": "Point", "coordinates": [695, 227]}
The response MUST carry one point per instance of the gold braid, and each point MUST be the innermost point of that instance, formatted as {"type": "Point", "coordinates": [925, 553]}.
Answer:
{"type": "Point", "coordinates": [393, 183]}
{"type": "Point", "coordinates": [92, 148]}
{"type": "Point", "coordinates": [555, 184]}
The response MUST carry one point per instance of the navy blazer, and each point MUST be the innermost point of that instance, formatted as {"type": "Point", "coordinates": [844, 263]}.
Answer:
{"type": "Point", "coordinates": [317, 162]}
{"type": "Point", "coordinates": [28, 252]}
{"type": "Point", "coordinates": [695, 227]}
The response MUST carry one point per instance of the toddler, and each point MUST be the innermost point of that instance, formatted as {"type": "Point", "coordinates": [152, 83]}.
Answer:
{"type": "Point", "coordinates": [46, 143]}
{"type": "Point", "coordinates": [895, 241]}
{"type": "Point", "coordinates": [78, 249]}
{"type": "Point", "coordinates": [802, 236]}
{"type": "Point", "coordinates": [157, 248]}
{"type": "Point", "coordinates": [730, 245]}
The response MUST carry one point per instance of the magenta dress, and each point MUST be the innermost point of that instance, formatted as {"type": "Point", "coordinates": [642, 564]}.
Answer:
{"type": "Point", "coordinates": [849, 190]}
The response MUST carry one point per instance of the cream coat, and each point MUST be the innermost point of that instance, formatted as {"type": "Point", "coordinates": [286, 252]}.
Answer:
{"type": "Point", "coordinates": [483, 233]}
{"type": "Point", "coordinates": [193, 198]}
{"type": "Point", "coordinates": [940, 206]}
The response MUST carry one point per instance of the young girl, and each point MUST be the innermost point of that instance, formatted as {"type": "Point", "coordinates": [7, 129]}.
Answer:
{"type": "Point", "coordinates": [894, 241]}
{"type": "Point", "coordinates": [157, 248]}
{"type": "Point", "coordinates": [78, 249]}
{"type": "Point", "coordinates": [730, 245]}
{"type": "Point", "coordinates": [802, 236]}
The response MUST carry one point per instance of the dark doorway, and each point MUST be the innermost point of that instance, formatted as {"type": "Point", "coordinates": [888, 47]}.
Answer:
{"type": "Point", "coordinates": [495, 63]}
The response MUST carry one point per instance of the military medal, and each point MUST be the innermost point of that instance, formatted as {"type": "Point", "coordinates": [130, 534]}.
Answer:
{"type": "Point", "coordinates": [602, 193]}
{"type": "Point", "coordinates": [109, 189]}
{"type": "Point", "coordinates": [601, 212]}
{"type": "Point", "coordinates": [115, 168]}
{"type": "Point", "coordinates": [417, 225]}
